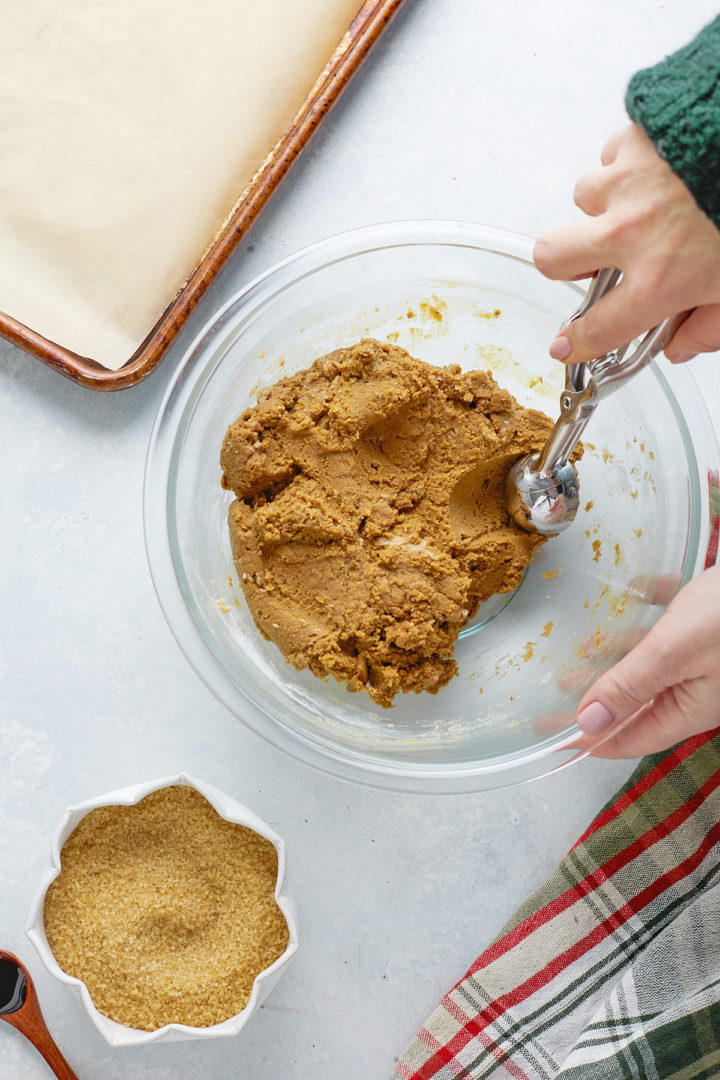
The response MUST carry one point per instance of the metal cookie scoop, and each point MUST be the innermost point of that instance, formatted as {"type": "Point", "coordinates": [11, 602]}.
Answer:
{"type": "Point", "coordinates": [542, 489]}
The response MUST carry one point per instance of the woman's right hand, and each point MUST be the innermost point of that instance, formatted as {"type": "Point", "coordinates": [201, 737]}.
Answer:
{"type": "Point", "coordinates": [644, 221]}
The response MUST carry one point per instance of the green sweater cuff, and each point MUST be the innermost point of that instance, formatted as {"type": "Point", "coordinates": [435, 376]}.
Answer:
{"type": "Point", "coordinates": [677, 103]}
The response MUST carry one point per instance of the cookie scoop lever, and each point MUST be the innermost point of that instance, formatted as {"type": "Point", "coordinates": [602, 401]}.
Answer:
{"type": "Point", "coordinates": [542, 489]}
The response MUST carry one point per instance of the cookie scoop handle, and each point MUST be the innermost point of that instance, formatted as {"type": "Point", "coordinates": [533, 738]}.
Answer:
{"type": "Point", "coordinates": [542, 489]}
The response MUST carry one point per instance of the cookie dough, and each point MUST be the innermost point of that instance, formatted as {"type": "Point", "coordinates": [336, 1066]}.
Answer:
{"type": "Point", "coordinates": [363, 532]}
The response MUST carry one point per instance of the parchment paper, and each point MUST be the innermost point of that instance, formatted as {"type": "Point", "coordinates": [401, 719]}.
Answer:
{"type": "Point", "coordinates": [128, 129]}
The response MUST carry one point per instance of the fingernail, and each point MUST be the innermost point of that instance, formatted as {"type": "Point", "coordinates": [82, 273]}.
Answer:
{"type": "Point", "coordinates": [594, 718]}
{"type": "Point", "coordinates": [683, 358]}
{"type": "Point", "coordinates": [561, 348]}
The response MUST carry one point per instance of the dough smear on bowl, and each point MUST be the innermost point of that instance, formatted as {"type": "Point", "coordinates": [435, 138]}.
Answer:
{"type": "Point", "coordinates": [353, 557]}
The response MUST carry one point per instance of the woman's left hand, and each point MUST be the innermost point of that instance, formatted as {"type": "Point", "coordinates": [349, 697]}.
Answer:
{"type": "Point", "coordinates": [667, 687]}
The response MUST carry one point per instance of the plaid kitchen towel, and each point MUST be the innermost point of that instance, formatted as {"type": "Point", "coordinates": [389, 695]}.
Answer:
{"type": "Point", "coordinates": [611, 970]}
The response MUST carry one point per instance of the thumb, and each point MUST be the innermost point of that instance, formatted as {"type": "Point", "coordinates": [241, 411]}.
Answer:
{"type": "Point", "coordinates": [611, 322]}
{"type": "Point", "coordinates": [698, 334]}
{"type": "Point", "coordinates": [663, 723]}
{"type": "Point", "coordinates": [638, 680]}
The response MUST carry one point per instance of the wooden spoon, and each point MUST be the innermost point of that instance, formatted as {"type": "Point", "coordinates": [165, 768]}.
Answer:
{"type": "Point", "coordinates": [20, 1008]}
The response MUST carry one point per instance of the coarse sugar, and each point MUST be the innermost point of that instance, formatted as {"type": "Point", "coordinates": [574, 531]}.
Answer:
{"type": "Point", "coordinates": [165, 910]}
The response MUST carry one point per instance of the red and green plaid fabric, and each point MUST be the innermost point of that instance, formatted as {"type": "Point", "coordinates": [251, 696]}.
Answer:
{"type": "Point", "coordinates": [611, 970]}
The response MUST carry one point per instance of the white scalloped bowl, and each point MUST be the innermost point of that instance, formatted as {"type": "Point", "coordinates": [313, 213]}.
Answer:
{"type": "Point", "coordinates": [229, 809]}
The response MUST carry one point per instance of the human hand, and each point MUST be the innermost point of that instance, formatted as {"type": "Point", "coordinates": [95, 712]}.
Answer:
{"type": "Point", "coordinates": [644, 221]}
{"type": "Point", "coordinates": [668, 685]}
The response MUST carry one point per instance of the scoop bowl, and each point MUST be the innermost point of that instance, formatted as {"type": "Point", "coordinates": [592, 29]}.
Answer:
{"type": "Point", "coordinates": [544, 502]}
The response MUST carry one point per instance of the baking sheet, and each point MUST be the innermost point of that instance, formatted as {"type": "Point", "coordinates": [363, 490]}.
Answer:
{"type": "Point", "coordinates": [128, 132]}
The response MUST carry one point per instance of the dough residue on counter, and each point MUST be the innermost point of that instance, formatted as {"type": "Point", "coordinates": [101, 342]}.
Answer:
{"type": "Point", "coordinates": [362, 538]}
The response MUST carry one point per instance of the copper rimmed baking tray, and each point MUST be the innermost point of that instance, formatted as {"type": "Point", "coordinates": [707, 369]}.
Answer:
{"type": "Point", "coordinates": [365, 29]}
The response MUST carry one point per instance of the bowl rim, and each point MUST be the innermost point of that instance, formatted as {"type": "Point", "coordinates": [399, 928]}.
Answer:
{"type": "Point", "coordinates": [185, 389]}
{"type": "Point", "coordinates": [230, 809]}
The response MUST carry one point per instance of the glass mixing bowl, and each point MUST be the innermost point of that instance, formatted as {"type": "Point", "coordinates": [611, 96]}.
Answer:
{"type": "Point", "coordinates": [448, 293]}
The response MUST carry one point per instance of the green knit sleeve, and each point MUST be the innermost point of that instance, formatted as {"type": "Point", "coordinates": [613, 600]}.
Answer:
{"type": "Point", "coordinates": [677, 103]}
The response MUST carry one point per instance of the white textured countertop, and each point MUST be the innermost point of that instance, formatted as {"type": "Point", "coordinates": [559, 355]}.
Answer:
{"type": "Point", "coordinates": [467, 110]}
